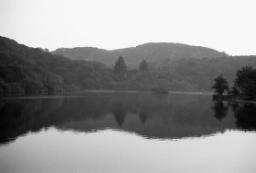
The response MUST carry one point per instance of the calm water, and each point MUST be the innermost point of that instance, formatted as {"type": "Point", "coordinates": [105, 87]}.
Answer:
{"type": "Point", "coordinates": [126, 133]}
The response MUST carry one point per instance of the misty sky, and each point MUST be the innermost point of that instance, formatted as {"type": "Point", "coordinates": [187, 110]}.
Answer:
{"type": "Point", "coordinates": [225, 25]}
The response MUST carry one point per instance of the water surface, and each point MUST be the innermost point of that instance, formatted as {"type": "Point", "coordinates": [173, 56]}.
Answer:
{"type": "Point", "coordinates": [126, 132]}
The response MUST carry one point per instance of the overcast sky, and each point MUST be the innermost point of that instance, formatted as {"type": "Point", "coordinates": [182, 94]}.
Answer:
{"type": "Point", "coordinates": [225, 25]}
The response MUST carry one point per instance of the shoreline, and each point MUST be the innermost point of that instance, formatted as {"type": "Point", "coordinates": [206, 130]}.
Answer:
{"type": "Point", "coordinates": [229, 98]}
{"type": "Point", "coordinates": [76, 93]}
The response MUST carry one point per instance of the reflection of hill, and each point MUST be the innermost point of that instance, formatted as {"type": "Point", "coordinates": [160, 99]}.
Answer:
{"type": "Point", "coordinates": [173, 116]}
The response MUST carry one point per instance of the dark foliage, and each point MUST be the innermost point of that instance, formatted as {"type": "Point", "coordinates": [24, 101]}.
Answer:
{"type": "Point", "coordinates": [245, 116]}
{"type": "Point", "coordinates": [220, 109]}
{"type": "Point", "coordinates": [246, 82]}
{"type": "Point", "coordinates": [25, 70]}
{"type": "Point", "coordinates": [234, 91]}
{"type": "Point", "coordinates": [220, 85]}
{"type": "Point", "coordinates": [143, 65]}
{"type": "Point", "coordinates": [120, 69]}
{"type": "Point", "coordinates": [120, 66]}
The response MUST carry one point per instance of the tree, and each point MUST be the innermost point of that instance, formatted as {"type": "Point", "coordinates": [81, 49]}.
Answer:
{"type": "Point", "coordinates": [246, 81]}
{"type": "Point", "coordinates": [220, 85]}
{"type": "Point", "coordinates": [120, 68]}
{"type": "Point", "coordinates": [143, 65]}
{"type": "Point", "coordinates": [220, 110]}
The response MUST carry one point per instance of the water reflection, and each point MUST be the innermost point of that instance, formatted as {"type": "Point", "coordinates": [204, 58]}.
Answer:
{"type": "Point", "coordinates": [173, 116]}
{"type": "Point", "coordinates": [246, 116]}
{"type": "Point", "coordinates": [119, 113]}
{"type": "Point", "coordinates": [221, 109]}
{"type": "Point", "coordinates": [143, 117]}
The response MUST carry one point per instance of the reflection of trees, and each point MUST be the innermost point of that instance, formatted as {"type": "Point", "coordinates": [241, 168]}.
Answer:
{"type": "Point", "coordinates": [246, 117]}
{"type": "Point", "coordinates": [234, 106]}
{"type": "Point", "coordinates": [119, 113]}
{"type": "Point", "coordinates": [220, 109]}
{"type": "Point", "coordinates": [166, 117]}
{"type": "Point", "coordinates": [143, 117]}
{"type": "Point", "coordinates": [20, 117]}
{"type": "Point", "coordinates": [245, 113]}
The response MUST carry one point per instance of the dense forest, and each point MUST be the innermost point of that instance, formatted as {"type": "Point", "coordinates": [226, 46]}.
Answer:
{"type": "Point", "coordinates": [25, 70]}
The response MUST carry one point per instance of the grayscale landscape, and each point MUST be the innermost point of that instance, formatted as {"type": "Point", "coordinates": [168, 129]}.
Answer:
{"type": "Point", "coordinates": [127, 86]}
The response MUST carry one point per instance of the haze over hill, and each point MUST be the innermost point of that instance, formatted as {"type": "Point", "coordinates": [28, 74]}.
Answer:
{"type": "Point", "coordinates": [152, 52]}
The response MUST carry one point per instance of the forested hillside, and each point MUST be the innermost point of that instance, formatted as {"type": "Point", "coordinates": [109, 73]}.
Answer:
{"type": "Point", "coordinates": [152, 52]}
{"type": "Point", "coordinates": [200, 72]}
{"type": "Point", "coordinates": [25, 70]}
{"type": "Point", "coordinates": [176, 66]}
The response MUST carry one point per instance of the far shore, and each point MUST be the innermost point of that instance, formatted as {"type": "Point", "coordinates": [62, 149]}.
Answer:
{"type": "Point", "coordinates": [146, 91]}
{"type": "Point", "coordinates": [76, 94]}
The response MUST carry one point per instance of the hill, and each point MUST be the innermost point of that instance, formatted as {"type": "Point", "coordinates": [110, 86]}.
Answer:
{"type": "Point", "coordinates": [182, 66]}
{"type": "Point", "coordinates": [152, 52]}
{"type": "Point", "coordinates": [25, 70]}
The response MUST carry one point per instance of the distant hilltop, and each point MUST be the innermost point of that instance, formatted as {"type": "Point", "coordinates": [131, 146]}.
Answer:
{"type": "Point", "coordinates": [152, 52]}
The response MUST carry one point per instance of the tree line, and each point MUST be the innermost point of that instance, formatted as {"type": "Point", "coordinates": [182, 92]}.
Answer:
{"type": "Point", "coordinates": [120, 67]}
{"type": "Point", "coordinates": [244, 85]}
{"type": "Point", "coordinates": [35, 71]}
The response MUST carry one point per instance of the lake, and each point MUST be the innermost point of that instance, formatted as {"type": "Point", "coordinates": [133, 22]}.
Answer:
{"type": "Point", "coordinates": [126, 133]}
